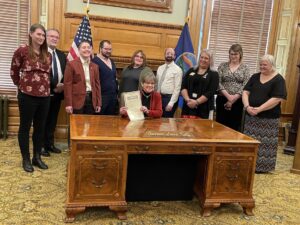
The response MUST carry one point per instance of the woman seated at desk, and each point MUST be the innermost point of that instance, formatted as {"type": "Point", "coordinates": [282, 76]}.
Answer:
{"type": "Point", "coordinates": [151, 100]}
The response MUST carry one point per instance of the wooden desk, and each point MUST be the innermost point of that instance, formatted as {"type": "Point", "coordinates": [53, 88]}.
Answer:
{"type": "Point", "coordinates": [99, 152]}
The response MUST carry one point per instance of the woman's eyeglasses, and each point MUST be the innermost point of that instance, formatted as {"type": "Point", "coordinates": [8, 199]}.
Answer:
{"type": "Point", "coordinates": [139, 56]}
{"type": "Point", "coordinates": [149, 83]}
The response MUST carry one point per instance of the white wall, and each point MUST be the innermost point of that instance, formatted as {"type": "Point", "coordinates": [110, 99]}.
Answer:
{"type": "Point", "coordinates": [177, 16]}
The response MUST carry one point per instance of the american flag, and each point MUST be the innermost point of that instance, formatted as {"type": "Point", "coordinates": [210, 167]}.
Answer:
{"type": "Point", "coordinates": [83, 33]}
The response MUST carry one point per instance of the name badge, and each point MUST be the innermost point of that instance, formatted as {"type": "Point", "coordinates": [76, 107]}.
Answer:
{"type": "Point", "coordinates": [194, 95]}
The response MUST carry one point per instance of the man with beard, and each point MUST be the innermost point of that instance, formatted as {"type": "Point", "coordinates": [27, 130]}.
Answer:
{"type": "Point", "coordinates": [109, 85]}
{"type": "Point", "coordinates": [169, 77]}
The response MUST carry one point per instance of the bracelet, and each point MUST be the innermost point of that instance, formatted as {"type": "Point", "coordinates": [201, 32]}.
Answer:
{"type": "Point", "coordinates": [246, 107]}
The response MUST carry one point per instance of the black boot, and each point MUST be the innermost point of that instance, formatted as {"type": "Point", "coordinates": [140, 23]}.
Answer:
{"type": "Point", "coordinates": [37, 161]}
{"type": "Point", "coordinates": [45, 153]}
{"type": "Point", "coordinates": [27, 166]}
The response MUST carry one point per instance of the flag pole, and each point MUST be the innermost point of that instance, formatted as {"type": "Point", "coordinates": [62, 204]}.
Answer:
{"type": "Point", "coordinates": [187, 19]}
{"type": "Point", "coordinates": [87, 8]}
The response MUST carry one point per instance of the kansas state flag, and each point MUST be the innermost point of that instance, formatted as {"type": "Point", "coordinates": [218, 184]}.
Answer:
{"type": "Point", "coordinates": [185, 57]}
{"type": "Point", "coordinates": [184, 43]}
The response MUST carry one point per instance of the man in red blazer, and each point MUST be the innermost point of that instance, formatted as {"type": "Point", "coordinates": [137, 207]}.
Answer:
{"type": "Point", "coordinates": [82, 84]}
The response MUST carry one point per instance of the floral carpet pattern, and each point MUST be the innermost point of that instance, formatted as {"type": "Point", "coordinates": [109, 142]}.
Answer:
{"type": "Point", "coordinates": [38, 198]}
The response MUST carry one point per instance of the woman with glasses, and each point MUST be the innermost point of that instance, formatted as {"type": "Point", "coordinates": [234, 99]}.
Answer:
{"type": "Point", "coordinates": [131, 74]}
{"type": "Point", "coordinates": [151, 100]}
{"type": "Point", "coordinates": [233, 77]}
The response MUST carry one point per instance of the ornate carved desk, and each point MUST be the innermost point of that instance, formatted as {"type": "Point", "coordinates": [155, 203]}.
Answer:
{"type": "Point", "coordinates": [100, 146]}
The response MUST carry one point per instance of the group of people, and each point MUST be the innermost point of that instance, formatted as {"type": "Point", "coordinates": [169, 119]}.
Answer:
{"type": "Point", "coordinates": [89, 86]}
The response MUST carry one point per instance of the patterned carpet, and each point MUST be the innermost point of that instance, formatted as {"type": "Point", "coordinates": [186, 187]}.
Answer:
{"type": "Point", "coordinates": [38, 198]}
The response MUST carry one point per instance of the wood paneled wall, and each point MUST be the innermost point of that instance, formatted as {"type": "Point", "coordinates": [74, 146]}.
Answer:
{"type": "Point", "coordinates": [126, 36]}
{"type": "Point", "coordinates": [285, 46]}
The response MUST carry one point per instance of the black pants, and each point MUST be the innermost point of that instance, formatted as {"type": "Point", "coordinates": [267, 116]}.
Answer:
{"type": "Point", "coordinates": [230, 118]}
{"type": "Point", "coordinates": [51, 121]}
{"type": "Point", "coordinates": [165, 98]}
{"type": "Point", "coordinates": [32, 110]}
{"type": "Point", "coordinates": [87, 108]}
{"type": "Point", "coordinates": [109, 105]}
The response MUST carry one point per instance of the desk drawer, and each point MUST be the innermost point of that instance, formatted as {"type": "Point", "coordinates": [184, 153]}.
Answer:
{"type": "Point", "coordinates": [176, 149]}
{"type": "Point", "coordinates": [99, 176]}
{"type": "Point", "coordinates": [235, 149]}
{"type": "Point", "coordinates": [99, 148]}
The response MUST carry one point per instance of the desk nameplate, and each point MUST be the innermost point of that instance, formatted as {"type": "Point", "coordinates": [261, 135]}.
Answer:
{"type": "Point", "coordinates": [168, 134]}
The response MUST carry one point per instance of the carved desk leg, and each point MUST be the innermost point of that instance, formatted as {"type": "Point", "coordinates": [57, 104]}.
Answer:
{"type": "Point", "coordinates": [207, 208]}
{"type": "Point", "coordinates": [71, 212]}
{"type": "Point", "coordinates": [248, 207]}
{"type": "Point", "coordinates": [206, 211]}
{"type": "Point", "coordinates": [120, 211]}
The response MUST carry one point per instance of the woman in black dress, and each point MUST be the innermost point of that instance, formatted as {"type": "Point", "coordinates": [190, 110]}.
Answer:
{"type": "Point", "coordinates": [198, 88]}
{"type": "Point", "coordinates": [262, 96]}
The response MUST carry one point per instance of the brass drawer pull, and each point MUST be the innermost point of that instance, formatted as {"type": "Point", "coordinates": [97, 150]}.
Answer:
{"type": "Point", "coordinates": [99, 185]}
{"type": "Point", "coordinates": [100, 149]}
{"type": "Point", "coordinates": [234, 149]}
{"type": "Point", "coordinates": [100, 167]}
{"type": "Point", "coordinates": [232, 177]}
{"type": "Point", "coordinates": [142, 148]}
{"type": "Point", "coordinates": [200, 149]}
{"type": "Point", "coordinates": [235, 166]}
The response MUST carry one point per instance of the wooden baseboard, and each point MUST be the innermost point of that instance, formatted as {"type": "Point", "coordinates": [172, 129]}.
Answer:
{"type": "Point", "coordinates": [295, 171]}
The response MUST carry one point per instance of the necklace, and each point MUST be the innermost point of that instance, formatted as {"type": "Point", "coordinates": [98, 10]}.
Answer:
{"type": "Point", "coordinates": [146, 96]}
{"type": "Point", "coordinates": [233, 67]}
{"type": "Point", "coordinates": [202, 72]}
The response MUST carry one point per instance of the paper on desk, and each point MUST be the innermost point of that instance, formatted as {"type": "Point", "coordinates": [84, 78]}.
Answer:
{"type": "Point", "coordinates": [133, 103]}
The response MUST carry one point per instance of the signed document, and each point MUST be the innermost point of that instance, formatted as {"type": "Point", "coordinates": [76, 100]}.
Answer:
{"type": "Point", "coordinates": [133, 103]}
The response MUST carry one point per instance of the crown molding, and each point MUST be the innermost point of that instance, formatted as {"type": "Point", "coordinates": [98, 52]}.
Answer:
{"type": "Point", "coordinates": [125, 21]}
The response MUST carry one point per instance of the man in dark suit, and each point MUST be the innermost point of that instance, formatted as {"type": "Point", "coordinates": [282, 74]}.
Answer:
{"type": "Point", "coordinates": [82, 84]}
{"type": "Point", "coordinates": [56, 91]}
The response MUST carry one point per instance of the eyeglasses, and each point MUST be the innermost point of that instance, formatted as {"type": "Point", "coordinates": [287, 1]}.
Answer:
{"type": "Point", "coordinates": [139, 56]}
{"type": "Point", "coordinates": [53, 36]}
{"type": "Point", "coordinates": [149, 83]}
